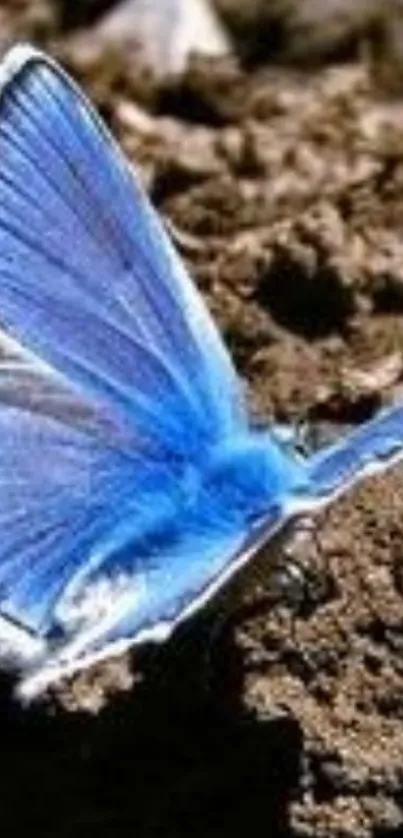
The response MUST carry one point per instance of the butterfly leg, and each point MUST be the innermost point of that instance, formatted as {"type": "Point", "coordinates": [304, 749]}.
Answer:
{"type": "Point", "coordinates": [275, 577]}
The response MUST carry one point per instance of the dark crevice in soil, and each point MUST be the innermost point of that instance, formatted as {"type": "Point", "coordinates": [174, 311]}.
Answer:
{"type": "Point", "coordinates": [311, 306]}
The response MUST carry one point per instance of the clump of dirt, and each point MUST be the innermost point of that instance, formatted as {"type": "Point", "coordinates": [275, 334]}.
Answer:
{"type": "Point", "coordinates": [334, 663]}
{"type": "Point", "coordinates": [22, 19]}
{"type": "Point", "coordinates": [283, 189]}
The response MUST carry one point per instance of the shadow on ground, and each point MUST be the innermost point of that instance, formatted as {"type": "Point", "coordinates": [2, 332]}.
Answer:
{"type": "Point", "coordinates": [171, 758]}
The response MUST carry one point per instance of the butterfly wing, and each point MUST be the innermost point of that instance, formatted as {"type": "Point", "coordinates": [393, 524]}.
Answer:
{"type": "Point", "coordinates": [105, 430]}
{"type": "Point", "coordinates": [66, 485]}
{"type": "Point", "coordinates": [371, 449]}
{"type": "Point", "coordinates": [99, 550]}
{"type": "Point", "coordinates": [169, 584]}
{"type": "Point", "coordinates": [88, 277]}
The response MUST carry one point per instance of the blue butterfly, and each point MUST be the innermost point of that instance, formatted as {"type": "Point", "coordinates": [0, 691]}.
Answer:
{"type": "Point", "coordinates": [133, 485]}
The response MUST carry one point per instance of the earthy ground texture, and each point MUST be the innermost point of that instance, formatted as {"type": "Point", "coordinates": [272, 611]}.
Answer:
{"type": "Point", "coordinates": [281, 176]}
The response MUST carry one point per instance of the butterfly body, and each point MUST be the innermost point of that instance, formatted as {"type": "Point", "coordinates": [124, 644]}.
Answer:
{"type": "Point", "coordinates": [242, 487]}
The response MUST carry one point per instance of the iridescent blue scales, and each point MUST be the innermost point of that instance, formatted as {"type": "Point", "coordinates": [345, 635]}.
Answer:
{"type": "Point", "coordinates": [132, 483]}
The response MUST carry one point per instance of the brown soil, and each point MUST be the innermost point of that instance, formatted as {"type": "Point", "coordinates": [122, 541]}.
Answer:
{"type": "Point", "coordinates": [284, 191]}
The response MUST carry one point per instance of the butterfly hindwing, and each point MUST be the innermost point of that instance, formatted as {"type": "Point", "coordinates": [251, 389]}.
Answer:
{"type": "Point", "coordinates": [74, 508]}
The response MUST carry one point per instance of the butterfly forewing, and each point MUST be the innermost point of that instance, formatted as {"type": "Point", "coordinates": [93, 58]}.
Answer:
{"type": "Point", "coordinates": [89, 279]}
